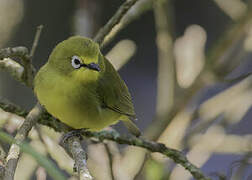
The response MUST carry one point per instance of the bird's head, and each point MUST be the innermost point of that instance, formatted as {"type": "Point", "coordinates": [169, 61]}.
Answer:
{"type": "Point", "coordinates": [77, 56]}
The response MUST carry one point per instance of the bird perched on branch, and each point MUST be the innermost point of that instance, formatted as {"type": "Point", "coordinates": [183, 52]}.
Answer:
{"type": "Point", "coordinates": [81, 88]}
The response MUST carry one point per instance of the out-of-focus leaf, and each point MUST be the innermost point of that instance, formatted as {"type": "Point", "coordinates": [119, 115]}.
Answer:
{"type": "Point", "coordinates": [154, 170]}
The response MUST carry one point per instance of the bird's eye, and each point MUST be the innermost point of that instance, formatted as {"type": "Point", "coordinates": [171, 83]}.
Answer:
{"type": "Point", "coordinates": [76, 62]}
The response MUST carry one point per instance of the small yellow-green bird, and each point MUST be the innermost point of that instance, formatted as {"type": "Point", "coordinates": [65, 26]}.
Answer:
{"type": "Point", "coordinates": [81, 88]}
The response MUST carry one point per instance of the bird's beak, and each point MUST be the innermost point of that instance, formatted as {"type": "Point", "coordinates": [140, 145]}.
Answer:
{"type": "Point", "coordinates": [94, 66]}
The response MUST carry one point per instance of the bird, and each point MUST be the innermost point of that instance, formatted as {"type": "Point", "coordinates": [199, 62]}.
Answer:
{"type": "Point", "coordinates": [82, 89]}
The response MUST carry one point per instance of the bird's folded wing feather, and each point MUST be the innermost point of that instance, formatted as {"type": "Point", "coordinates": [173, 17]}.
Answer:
{"type": "Point", "coordinates": [114, 93]}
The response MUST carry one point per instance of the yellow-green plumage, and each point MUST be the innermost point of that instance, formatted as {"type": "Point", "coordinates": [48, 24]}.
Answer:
{"type": "Point", "coordinates": [83, 97]}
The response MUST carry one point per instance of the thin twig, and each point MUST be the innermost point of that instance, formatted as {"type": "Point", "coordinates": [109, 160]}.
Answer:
{"type": "Point", "coordinates": [45, 119]}
{"type": "Point", "coordinates": [73, 146]}
{"type": "Point", "coordinates": [135, 12]}
{"type": "Point", "coordinates": [29, 70]}
{"type": "Point", "coordinates": [35, 41]}
{"type": "Point", "coordinates": [105, 30]}
{"type": "Point", "coordinates": [14, 152]}
{"type": "Point", "coordinates": [10, 107]}
{"type": "Point", "coordinates": [174, 154]}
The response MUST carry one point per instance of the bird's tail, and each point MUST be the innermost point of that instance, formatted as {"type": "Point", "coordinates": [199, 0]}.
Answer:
{"type": "Point", "coordinates": [133, 129]}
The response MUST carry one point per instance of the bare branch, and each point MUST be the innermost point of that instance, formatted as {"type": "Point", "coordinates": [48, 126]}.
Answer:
{"type": "Point", "coordinates": [14, 152]}
{"type": "Point", "coordinates": [27, 62]}
{"type": "Point", "coordinates": [105, 30]}
{"type": "Point", "coordinates": [136, 11]}
{"type": "Point", "coordinates": [12, 67]}
{"type": "Point", "coordinates": [73, 146]}
{"type": "Point", "coordinates": [152, 146]}
{"type": "Point", "coordinates": [22, 54]}
{"type": "Point", "coordinates": [29, 71]}
{"type": "Point", "coordinates": [35, 41]}
{"type": "Point", "coordinates": [45, 119]}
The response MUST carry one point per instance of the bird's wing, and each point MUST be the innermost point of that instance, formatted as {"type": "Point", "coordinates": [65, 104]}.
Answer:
{"type": "Point", "coordinates": [113, 92]}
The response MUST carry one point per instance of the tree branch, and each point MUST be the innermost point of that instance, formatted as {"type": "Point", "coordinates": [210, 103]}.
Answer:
{"type": "Point", "coordinates": [27, 74]}
{"type": "Point", "coordinates": [73, 146]}
{"type": "Point", "coordinates": [152, 146]}
{"type": "Point", "coordinates": [45, 119]}
{"type": "Point", "coordinates": [35, 41]}
{"type": "Point", "coordinates": [20, 52]}
{"type": "Point", "coordinates": [105, 30]}
{"type": "Point", "coordinates": [136, 11]}
{"type": "Point", "coordinates": [12, 67]}
{"type": "Point", "coordinates": [14, 152]}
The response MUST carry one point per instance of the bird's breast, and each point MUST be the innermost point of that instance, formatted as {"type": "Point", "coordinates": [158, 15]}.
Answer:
{"type": "Point", "coordinates": [75, 104]}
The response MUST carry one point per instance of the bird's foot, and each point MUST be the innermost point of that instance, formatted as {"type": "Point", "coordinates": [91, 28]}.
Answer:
{"type": "Point", "coordinates": [112, 131]}
{"type": "Point", "coordinates": [76, 133]}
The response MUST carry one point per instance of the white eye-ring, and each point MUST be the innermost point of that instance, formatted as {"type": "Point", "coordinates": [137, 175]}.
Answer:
{"type": "Point", "coordinates": [76, 62]}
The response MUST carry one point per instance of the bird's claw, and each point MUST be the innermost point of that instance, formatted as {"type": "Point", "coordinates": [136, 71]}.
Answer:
{"type": "Point", "coordinates": [76, 133]}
